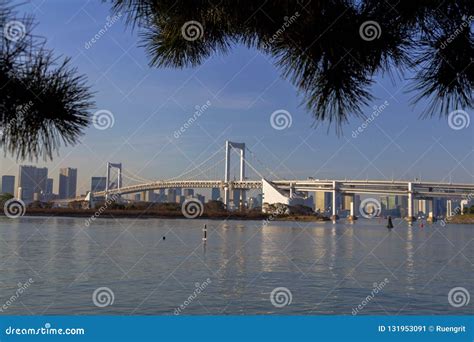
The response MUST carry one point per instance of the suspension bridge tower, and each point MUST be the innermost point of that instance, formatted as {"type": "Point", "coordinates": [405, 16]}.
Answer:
{"type": "Point", "coordinates": [229, 145]}
{"type": "Point", "coordinates": [110, 185]}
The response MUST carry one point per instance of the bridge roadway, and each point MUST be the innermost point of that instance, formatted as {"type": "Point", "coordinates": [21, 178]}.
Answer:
{"type": "Point", "coordinates": [417, 189]}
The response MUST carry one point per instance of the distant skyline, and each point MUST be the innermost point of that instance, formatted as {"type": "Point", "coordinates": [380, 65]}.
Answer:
{"type": "Point", "coordinates": [243, 89]}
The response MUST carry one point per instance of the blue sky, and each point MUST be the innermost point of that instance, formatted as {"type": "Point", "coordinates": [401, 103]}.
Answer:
{"type": "Point", "coordinates": [244, 89]}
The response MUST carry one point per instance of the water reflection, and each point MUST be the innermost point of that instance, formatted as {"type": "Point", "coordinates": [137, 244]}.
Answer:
{"type": "Point", "coordinates": [329, 268]}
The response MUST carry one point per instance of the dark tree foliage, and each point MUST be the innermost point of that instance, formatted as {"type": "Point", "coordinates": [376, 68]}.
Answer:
{"type": "Point", "coordinates": [322, 51]}
{"type": "Point", "coordinates": [43, 102]}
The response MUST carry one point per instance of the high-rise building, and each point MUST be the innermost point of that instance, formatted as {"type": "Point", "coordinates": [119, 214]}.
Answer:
{"type": "Point", "coordinates": [201, 198]}
{"type": "Point", "coordinates": [98, 184]}
{"type": "Point", "coordinates": [32, 180]}
{"type": "Point", "coordinates": [236, 198]}
{"type": "Point", "coordinates": [49, 186]}
{"type": "Point", "coordinates": [67, 182]}
{"type": "Point", "coordinates": [179, 199]}
{"type": "Point", "coordinates": [421, 206]}
{"type": "Point", "coordinates": [322, 201]}
{"type": "Point", "coordinates": [8, 185]}
{"type": "Point", "coordinates": [403, 205]}
{"type": "Point", "coordinates": [160, 197]}
{"type": "Point", "coordinates": [171, 196]}
{"type": "Point", "coordinates": [440, 206]}
{"type": "Point", "coordinates": [188, 192]}
{"type": "Point", "coordinates": [215, 194]}
{"type": "Point", "coordinates": [347, 200]}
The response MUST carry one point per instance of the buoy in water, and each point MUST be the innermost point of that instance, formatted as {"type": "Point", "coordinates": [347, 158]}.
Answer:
{"type": "Point", "coordinates": [164, 237]}
{"type": "Point", "coordinates": [389, 222]}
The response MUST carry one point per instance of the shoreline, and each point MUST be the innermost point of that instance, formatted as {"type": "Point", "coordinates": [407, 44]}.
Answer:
{"type": "Point", "coordinates": [140, 214]}
{"type": "Point", "coordinates": [243, 216]}
{"type": "Point", "coordinates": [462, 219]}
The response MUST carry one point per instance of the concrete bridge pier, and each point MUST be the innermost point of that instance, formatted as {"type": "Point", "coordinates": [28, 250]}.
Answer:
{"type": "Point", "coordinates": [352, 216]}
{"type": "Point", "coordinates": [449, 208]}
{"type": "Point", "coordinates": [410, 217]}
{"type": "Point", "coordinates": [229, 145]}
{"type": "Point", "coordinates": [335, 193]}
{"type": "Point", "coordinates": [432, 211]}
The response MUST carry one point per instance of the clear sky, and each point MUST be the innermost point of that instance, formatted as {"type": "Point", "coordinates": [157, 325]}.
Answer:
{"type": "Point", "coordinates": [244, 89]}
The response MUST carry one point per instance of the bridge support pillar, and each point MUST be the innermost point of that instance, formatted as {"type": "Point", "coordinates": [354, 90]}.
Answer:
{"type": "Point", "coordinates": [118, 166]}
{"type": "Point", "coordinates": [335, 193]}
{"type": "Point", "coordinates": [410, 217]}
{"type": "Point", "coordinates": [352, 216]}
{"type": "Point", "coordinates": [463, 204]}
{"type": "Point", "coordinates": [432, 212]}
{"type": "Point", "coordinates": [229, 145]}
{"type": "Point", "coordinates": [449, 208]}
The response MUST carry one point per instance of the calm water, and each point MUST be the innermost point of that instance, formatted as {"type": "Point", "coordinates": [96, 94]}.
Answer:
{"type": "Point", "coordinates": [328, 268]}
